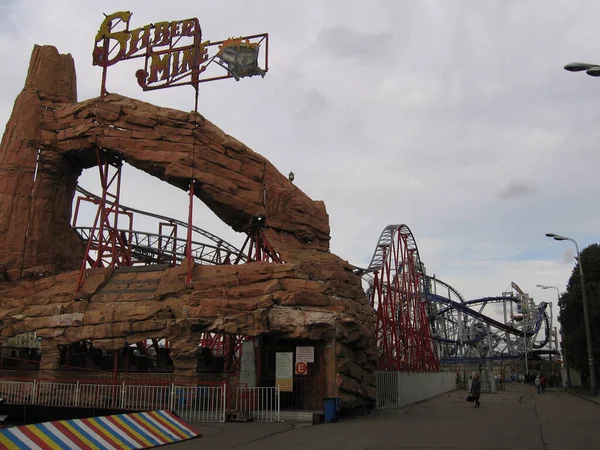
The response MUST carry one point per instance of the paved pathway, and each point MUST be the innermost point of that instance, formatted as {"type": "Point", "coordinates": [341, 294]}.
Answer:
{"type": "Point", "coordinates": [513, 419]}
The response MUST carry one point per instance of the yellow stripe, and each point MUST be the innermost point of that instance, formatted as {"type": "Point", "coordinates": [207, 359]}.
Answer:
{"type": "Point", "coordinates": [132, 431]}
{"type": "Point", "coordinates": [7, 444]}
{"type": "Point", "coordinates": [79, 435]}
{"type": "Point", "coordinates": [101, 430]}
{"type": "Point", "coordinates": [175, 424]}
{"type": "Point", "coordinates": [154, 428]}
{"type": "Point", "coordinates": [168, 425]}
{"type": "Point", "coordinates": [43, 436]}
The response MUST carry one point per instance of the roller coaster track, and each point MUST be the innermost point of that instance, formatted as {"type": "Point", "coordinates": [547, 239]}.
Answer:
{"type": "Point", "coordinates": [155, 248]}
{"type": "Point", "coordinates": [462, 329]}
{"type": "Point", "coordinates": [395, 274]}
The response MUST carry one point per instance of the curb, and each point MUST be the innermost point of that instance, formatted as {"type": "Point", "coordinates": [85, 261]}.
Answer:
{"type": "Point", "coordinates": [589, 399]}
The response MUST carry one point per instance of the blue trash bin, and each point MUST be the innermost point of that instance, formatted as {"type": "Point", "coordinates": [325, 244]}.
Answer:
{"type": "Point", "coordinates": [331, 409]}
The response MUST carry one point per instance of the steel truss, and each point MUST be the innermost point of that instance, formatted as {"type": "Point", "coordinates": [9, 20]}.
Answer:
{"type": "Point", "coordinates": [395, 275]}
{"type": "Point", "coordinates": [109, 250]}
{"type": "Point", "coordinates": [465, 331]}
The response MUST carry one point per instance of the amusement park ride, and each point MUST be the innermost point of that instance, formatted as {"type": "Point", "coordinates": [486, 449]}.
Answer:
{"type": "Point", "coordinates": [422, 322]}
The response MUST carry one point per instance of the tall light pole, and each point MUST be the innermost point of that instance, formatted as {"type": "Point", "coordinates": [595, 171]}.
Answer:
{"type": "Point", "coordinates": [562, 335]}
{"type": "Point", "coordinates": [586, 318]}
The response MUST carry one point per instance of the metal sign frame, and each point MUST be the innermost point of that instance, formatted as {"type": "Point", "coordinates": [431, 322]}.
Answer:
{"type": "Point", "coordinates": [174, 53]}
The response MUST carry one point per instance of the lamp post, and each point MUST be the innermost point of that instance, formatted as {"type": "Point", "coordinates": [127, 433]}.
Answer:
{"type": "Point", "coordinates": [562, 335]}
{"type": "Point", "coordinates": [586, 318]}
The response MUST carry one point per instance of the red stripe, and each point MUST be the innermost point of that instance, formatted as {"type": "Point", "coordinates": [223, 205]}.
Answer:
{"type": "Point", "coordinates": [112, 420]}
{"type": "Point", "coordinates": [31, 435]}
{"type": "Point", "coordinates": [160, 419]}
{"type": "Point", "coordinates": [64, 430]}
{"type": "Point", "coordinates": [152, 432]}
{"type": "Point", "coordinates": [104, 433]}
{"type": "Point", "coordinates": [176, 418]}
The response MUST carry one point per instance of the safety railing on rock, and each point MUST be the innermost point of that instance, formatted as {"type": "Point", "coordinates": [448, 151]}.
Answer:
{"type": "Point", "coordinates": [195, 403]}
{"type": "Point", "coordinates": [259, 403]}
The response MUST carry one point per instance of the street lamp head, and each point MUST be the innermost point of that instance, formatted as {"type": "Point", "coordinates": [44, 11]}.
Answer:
{"type": "Point", "coordinates": [579, 66]}
{"type": "Point", "coordinates": [593, 71]}
{"type": "Point", "coordinates": [557, 237]}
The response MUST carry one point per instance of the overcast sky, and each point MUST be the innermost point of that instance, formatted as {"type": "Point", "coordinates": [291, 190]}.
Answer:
{"type": "Point", "coordinates": [453, 117]}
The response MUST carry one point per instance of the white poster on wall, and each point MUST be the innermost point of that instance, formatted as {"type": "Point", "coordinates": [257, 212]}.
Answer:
{"type": "Point", "coordinates": [284, 370]}
{"type": "Point", "coordinates": [305, 354]}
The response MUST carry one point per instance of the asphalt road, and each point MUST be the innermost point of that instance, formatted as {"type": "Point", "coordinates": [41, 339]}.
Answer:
{"type": "Point", "coordinates": [513, 419]}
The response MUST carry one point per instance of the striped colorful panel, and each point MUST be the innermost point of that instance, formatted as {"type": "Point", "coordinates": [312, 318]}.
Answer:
{"type": "Point", "coordinates": [118, 432]}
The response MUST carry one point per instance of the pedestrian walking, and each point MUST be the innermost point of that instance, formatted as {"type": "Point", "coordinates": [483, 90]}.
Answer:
{"type": "Point", "coordinates": [543, 383]}
{"type": "Point", "coordinates": [538, 384]}
{"type": "Point", "coordinates": [475, 391]}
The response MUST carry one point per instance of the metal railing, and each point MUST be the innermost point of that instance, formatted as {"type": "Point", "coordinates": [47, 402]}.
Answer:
{"type": "Point", "coordinates": [201, 403]}
{"type": "Point", "coordinates": [396, 389]}
{"type": "Point", "coordinates": [259, 403]}
{"type": "Point", "coordinates": [195, 403]}
{"type": "Point", "coordinates": [388, 390]}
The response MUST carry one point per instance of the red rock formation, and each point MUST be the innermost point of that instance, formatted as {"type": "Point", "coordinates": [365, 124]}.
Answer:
{"type": "Point", "coordinates": [312, 295]}
{"type": "Point", "coordinates": [37, 188]}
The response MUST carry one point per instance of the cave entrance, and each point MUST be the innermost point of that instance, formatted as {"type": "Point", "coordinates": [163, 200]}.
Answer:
{"type": "Point", "coordinates": [304, 389]}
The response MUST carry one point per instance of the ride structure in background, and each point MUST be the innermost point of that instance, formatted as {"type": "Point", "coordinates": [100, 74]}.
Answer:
{"type": "Point", "coordinates": [395, 278]}
{"type": "Point", "coordinates": [423, 323]}
{"type": "Point", "coordinates": [467, 330]}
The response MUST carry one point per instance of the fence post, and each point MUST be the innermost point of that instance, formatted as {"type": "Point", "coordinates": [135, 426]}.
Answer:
{"type": "Point", "coordinates": [34, 393]}
{"type": "Point", "coordinates": [277, 396]}
{"type": "Point", "coordinates": [123, 393]}
{"type": "Point", "coordinates": [77, 387]}
{"type": "Point", "coordinates": [398, 383]}
{"type": "Point", "coordinates": [224, 390]}
{"type": "Point", "coordinates": [172, 399]}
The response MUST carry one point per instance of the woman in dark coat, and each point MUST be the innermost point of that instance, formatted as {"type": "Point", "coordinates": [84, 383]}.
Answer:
{"type": "Point", "coordinates": [476, 389]}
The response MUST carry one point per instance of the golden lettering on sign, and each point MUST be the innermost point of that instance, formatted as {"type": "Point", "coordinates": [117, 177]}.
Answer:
{"type": "Point", "coordinates": [156, 42]}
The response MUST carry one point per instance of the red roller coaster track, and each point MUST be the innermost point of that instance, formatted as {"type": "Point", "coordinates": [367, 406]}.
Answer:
{"type": "Point", "coordinates": [396, 293]}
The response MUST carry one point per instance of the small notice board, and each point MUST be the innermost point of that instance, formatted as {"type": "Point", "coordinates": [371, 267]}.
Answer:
{"type": "Point", "coordinates": [284, 371]}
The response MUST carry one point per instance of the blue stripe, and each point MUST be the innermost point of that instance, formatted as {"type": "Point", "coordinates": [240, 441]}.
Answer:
{"type": "Point", "coordinates": [55, 440]}
{"type": "Point", "coordinates": [86, 434]}
{"type": "Point", "coordinates": [176, 424]}
{"type": "Point", "coordinates": [106, 429]}
{"type": "Point", "coordinates": [140, 430]}
{"type": "Point", "coordinates": [14, 439]}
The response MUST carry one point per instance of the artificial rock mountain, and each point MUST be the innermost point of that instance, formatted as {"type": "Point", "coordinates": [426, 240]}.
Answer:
{"type": "Point", "coordinates": [51, 137]}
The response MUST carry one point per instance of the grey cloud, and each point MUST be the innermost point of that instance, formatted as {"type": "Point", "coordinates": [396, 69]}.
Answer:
{"type": "Point", "coordinates": [311, 104]}
{"type": "Point", "coordinates": [474, 88]}
{"type": "Point", "coordinates": [344, 43]}
{"type": "Point", "coordinates": [516, 189]}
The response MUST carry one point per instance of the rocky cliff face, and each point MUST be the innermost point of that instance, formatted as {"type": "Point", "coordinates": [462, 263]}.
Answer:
{"type": "Point", "coordinates": [312, 295]}
{"type": "Point", "coordinates": [37, 187]}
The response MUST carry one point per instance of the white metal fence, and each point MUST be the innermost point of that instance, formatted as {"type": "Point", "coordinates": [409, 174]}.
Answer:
{"type": "Point", "coordinates": [192, 403]}
{"type": "Point", "coordinates": [201, 403]}
{"type": "Point", "coordinates": [259, 403]}
{"type": "Point", "coordinates": [397, 389]}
